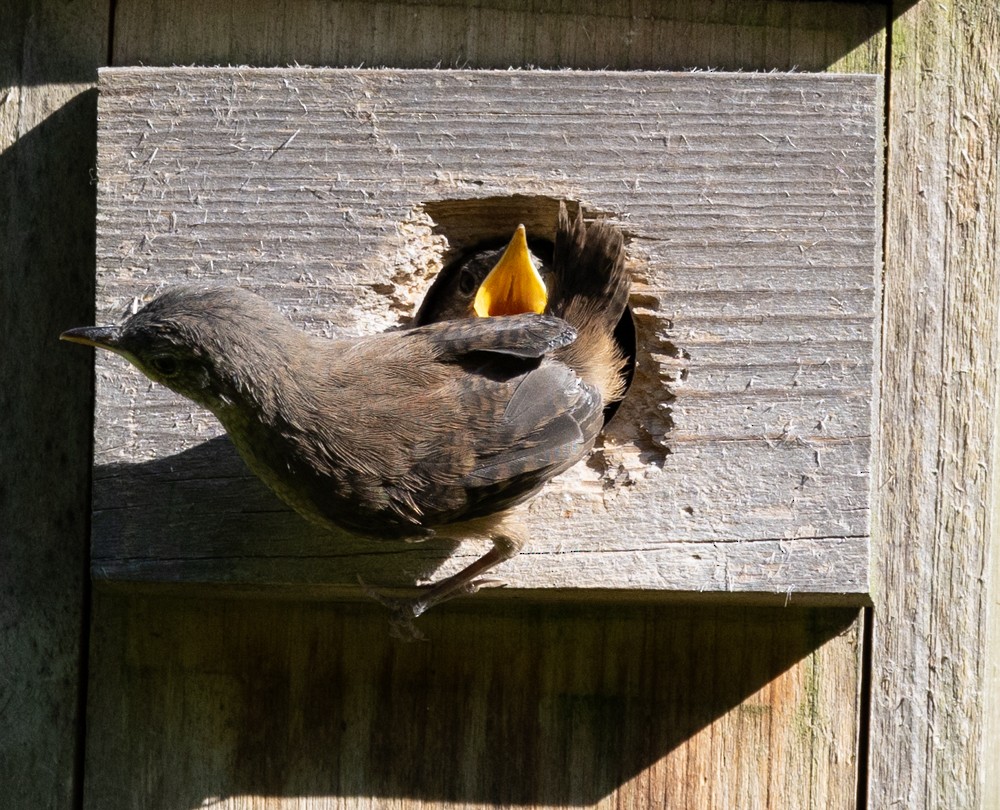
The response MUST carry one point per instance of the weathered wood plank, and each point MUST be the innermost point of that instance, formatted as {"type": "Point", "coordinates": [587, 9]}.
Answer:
{"type": "Point", "coordinates": [641, 34]}
{"type": "Point", "coordinates": [49, 54]}
{"type": "Point", "coordinates": [751, 206]}
{"type": "Point", "coordinates": [936, 711]}
{"type": "Point", "coordinates": [807, 755]}
{"type": "Point", "coordinates": [269, 704]}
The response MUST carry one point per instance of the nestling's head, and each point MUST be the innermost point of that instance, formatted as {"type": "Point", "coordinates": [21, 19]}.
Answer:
{"type": "Point", "coordinates": [487, 283]}
{"type": "Point", "coordinates": [206, 343]}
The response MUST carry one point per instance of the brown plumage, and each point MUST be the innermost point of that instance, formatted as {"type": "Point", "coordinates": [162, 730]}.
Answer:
{"type": "Point", "coordinates": [589, 290]}
{"type": "Point", "coordinates": [437, 429]}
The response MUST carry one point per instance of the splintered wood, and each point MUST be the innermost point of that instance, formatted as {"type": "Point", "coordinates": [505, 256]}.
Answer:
{"type": "Point", "coordinates": [740, 462]}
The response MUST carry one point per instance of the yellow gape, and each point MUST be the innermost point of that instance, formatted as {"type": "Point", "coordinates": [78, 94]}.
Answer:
{"type": "Point", "coordinates": [513, 285]}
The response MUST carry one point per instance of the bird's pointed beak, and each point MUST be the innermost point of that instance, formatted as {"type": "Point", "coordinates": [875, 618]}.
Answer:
{"type": "Point", "coordinates": [513, 285]}
{"type": "Point", "coordinates": [103, 337]}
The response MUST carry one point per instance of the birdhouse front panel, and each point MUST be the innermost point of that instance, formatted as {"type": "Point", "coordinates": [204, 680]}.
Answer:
{"type": "Point", "coordinates": [739, 462]}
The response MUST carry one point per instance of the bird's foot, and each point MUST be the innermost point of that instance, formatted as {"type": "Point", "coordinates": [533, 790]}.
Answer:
{"type": "Point", "coordinates": [483, 582]}
{"type": "Point", "coordinates": [436, 594]}
{"type": "Point", "coordinates": [402, 612]}
{"type": "Point", "coordinates": [403, 629]}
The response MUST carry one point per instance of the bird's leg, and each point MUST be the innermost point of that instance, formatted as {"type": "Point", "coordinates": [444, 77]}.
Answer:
{"type": "Point", "coordinates": [467, 580]}
{"type": "Point", "coordinates": [506, 544]}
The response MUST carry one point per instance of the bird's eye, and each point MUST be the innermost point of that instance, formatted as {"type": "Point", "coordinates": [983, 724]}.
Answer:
{"type": "Point", "coordinates": [467, 282]}
{"type": "Point", "coordinates": [164, 365]}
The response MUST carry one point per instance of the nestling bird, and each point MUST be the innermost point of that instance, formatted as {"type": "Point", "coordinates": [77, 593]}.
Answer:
{"type": "Point", "coordinates": [488, 281]}
{"type": "Point", "coordinates": [435, 430]}
{"type": "Point", "coordinates": [517, 283]}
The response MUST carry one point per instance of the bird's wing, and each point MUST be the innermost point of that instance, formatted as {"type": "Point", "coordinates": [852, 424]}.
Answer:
{"type": "Point", "coordinates": [549, 423]}
{"type": "Point", "coordinates": [526, 336]}
{"type": "Point", "coordinates": [497, 413]}
{"type": "Point", "coordinates": [548, 417]}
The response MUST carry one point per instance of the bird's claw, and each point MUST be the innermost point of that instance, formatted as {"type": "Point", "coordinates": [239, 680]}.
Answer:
{"type": "Point", "coordinates": [483, 582]}
{"type": "Point", "coordinates": [401, 627]}
{"type": "Point", "coordinates": [402, 612]}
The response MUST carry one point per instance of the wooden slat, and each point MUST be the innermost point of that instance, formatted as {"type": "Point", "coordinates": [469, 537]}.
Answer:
{"type": "Point", "coordinates": [642, 34]}
{"type": "Point", "coordinates": [751, 207]}
{"type": "Point", "coordinates": [255, 704]}
{"type": "Point", "coordinates": [936, 711]}
{"type": "Point", "coordinates": [49, 54]}
{"type": "Point", "coordinates": [810, 754]}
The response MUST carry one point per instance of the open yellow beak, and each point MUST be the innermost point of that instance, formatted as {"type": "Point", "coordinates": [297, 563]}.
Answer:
{"type": "Point", "coordinates": [513, 285]}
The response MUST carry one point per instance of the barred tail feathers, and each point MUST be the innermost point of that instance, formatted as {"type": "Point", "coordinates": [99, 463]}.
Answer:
{"type": "Point", "coordinates": [590, 292]}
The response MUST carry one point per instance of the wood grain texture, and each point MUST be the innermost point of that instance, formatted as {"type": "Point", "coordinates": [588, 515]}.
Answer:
{"type": "Point", "coordinates": [253, 704]}
{"type": "Point", "coordinates": [170, 714]}
{"type": "Point", "coordinates": [740, 460]}
{"type": "Point", "coordinates": [49, 53]}
{"type": "Point", "coordinates": [934, 720]}
{"type": "Point", "coordinates": [641, 34]}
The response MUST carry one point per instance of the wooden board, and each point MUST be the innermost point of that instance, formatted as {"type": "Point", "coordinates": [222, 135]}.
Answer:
{"type": "Point", "coordinates": [936, 653]}
{"type": "Point", "coordinates": [739, 462]}
{"type": "Point", "coordinates": [49, 53]}
{"type": "Point", "coordinates": [593, 34]}
{"type": "Point", "coordinates": [267, 704]}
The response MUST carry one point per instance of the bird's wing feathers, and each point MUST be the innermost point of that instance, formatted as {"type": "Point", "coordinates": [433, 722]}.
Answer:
{"type": "Point", "coordinates": [551, 388]}
{"type": "Point", "coordinates": [550, 416]}
{"type": "Point", "coordinates": [503, 414]}
{"type": "Point", "coordinates": [523, 415]}
{"type": "Point", "coordinates": [528, 336]}
{"type": "Point", "coordinates": [553, 417]}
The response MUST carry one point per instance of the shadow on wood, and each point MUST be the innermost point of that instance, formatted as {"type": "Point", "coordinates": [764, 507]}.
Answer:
{"type": "Point", "coordinates": [46, 395]}
{"type": "Point", "coordinates": [647, 34]}
{"type": "Point", "coordinates": [208, 495]}
{"type": "Point", "coordinates": [540, 705]}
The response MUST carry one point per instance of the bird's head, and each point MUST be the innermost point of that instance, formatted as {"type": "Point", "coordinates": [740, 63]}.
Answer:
{"type": "Point", "coordinates": [487, 283]}
{"type": "Point", "coordinates": [206, 343]}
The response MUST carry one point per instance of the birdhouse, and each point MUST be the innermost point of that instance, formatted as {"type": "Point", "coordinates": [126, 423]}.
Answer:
{"type": "Point", "coordinates": [739, 464]}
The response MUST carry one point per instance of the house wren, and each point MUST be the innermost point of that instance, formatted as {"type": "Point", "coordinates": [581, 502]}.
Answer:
{"type": "Point", "coordinates": [434, 430]}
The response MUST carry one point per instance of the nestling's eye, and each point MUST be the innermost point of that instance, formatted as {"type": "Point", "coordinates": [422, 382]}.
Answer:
{"type": "Point", "coordinates": [467, 282]}
{"type": "Point", "coordinates": [164, 365]}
